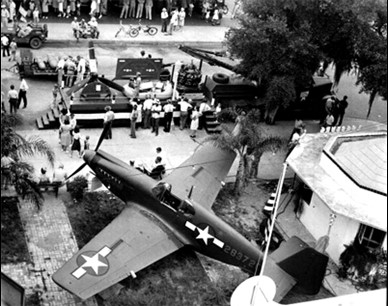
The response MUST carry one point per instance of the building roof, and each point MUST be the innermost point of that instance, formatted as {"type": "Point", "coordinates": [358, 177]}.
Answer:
{"type": "Point", "coordinates": [348, 171]}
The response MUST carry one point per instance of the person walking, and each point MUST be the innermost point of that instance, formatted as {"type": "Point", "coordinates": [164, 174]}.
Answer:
{"type": "Point", "coordinates": [4, 16]}
{"type": "Point", "coordinates": [164, 17]}
{"type": "Point", "coordinates": [168, 115]}
{"type": "Point", "coordinates": [60, 175]}
{"type": "Point", "coordinates": [184, 111]}
{"type": "Point", "coordinates": [203, 108]}
{"type": "Point", "coordinates": [148, 8]}
{"type": "Point", "coordinates": [134, 115]}
{"type": "Point", "coordinates": [12, 10]}
{"type": "Point", "coordinates": [13, 99]}
{"type": "Point", "coordinates": [6, 163]}
{"type": "Point", "coordinates": [13, 47]}
{"type": "Point", "coordinates": [23, 88]}
{"type": "Point", "coordinates": [45, 9]}
{"type": "Point", "coordinates": [35, 15]}
{"type": "Point", "coordinates": [76, 145]}
{"type": "Point", "coordinates": [236, 8]}
{"type": "Point", "coordinates": [132, 9]}
{"type": "Point", "coordinates": [5, 45]}
{"type": "Point", "coordinates": [328, 108]}
{"type": "Point", "coordinates": [155, 113]}
{"type": "Point", "coordinates": [55, 93]}
{"type": "Point", "coordinates": [194, 122]}
{"type": "Point", "coordinates": [341, 107]}
{"type": "Point", "coordinates": [125, 9]}
{"type": "Point", "coordinates": [140, 8]}
{"type": "Point", "coordinates": [65, 135]}
{"type": "Point", "coordinates": [190, 5]}
{"type": "Point", "coordinates": [147, 105]}
{"type": "Point", "coordinates": [81, 68]}
{"type": "Point", "coordinates": [139, 120]}
{"type": "Point", "coordinates": [173, 22]}
{"type": "Point", "coordinates": [181, 18]}
{"type": "Point", "coordinates": [108, 121]}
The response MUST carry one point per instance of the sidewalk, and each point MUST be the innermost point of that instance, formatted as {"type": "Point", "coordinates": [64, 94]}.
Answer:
{"type": "Point", "coordinates": [50, 243]}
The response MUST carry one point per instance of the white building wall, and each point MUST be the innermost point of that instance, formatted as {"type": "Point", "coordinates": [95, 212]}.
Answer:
{"type": "Point", "coordinates": [316, 218]}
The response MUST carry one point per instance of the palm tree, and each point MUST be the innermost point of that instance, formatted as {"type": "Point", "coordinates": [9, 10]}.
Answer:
{"type": "Point", "coordinates": [20, 148]}
{"type": "Point", "coordinates": [249, 141]}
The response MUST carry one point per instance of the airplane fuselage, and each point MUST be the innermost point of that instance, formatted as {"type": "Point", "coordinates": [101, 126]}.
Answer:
{"type": "Point", "coordinates": [192, 224]}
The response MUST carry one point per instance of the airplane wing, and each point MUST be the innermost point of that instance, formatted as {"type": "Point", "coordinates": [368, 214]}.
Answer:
{"type": "Point", "coordinates": [133, 241]}
{"type": "Point", "coordinates": [205, 170]}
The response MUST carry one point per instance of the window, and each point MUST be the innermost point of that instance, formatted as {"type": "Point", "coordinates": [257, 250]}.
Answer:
{"type": "Point", "coordinates": [370, 237]}
{"type": "Point", "coordinates": [306, 193]}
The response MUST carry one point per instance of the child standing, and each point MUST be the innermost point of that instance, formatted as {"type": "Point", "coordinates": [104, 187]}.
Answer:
{"type": "Point", "coordinates": [181, 18]}
{"type": "Point", "coordinates": [35, 15]}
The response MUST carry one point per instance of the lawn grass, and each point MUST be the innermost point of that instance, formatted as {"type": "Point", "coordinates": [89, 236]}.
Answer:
{"type": "Point", "coordinates": [13, 243]}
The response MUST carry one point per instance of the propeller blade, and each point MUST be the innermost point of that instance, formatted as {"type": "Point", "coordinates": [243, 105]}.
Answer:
{"type": "Point", "coordinates": [76, 171]}
{"type": "Point", "coordinates": [101, 138]}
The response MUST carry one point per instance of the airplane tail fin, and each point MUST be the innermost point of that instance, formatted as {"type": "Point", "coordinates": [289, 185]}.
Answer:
{"type": "Point", "coordinates": [305, 264]}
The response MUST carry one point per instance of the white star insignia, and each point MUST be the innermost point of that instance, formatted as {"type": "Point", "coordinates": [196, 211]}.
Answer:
{"type": "Point", "coordinates": [204, 234]}
{"type": "Point", "coordinates": [93, 262]}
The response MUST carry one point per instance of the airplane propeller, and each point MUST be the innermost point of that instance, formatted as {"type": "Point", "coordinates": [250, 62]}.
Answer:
{"type": "Point", "coordinates": [100, 140]}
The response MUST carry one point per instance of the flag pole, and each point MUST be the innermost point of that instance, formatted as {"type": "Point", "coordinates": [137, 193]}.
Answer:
{"type": "Point", "coordinates": [277, 198]}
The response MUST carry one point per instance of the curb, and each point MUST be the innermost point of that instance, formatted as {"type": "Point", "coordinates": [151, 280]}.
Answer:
{"type": "Point", "coordinates": [175, 43]}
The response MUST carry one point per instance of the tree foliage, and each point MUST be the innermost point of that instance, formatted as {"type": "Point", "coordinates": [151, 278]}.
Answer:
{"type": "Point", "coordinates": [286, 40]}
{"type": "Point", "coordinates": [19, 149]}
{"type": "Point", "coordinates": [250, 142]}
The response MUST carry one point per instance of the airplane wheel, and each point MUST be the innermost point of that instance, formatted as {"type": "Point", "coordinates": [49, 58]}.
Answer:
{"type": "Point", "coordinates": [35, 43]}
{"type": "Point", "coordinates": [152, 31]}
{"type": "Point", "coordinates": [133, 32]}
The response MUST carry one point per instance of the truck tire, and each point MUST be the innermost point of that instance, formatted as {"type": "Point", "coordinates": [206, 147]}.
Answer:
{"type": "Point", "coordinates": [220, 78]}
{"type": "Point", "coordinates": [35, 43]}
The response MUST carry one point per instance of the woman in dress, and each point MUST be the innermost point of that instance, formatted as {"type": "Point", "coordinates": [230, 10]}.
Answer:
{"type": "Point", "coordinates": [65, 135]}
{"type": "Point", "coordinates": [194, 122]}
{"type": "Point", "coordinates": [134, 116]}
{"type": "Point", "coordinates": [76, 146]}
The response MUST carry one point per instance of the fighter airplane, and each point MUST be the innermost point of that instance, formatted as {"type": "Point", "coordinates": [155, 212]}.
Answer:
{"type": "Point", "coordinates": [160, 218]}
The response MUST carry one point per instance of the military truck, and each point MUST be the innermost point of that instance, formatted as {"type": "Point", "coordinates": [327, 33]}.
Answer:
{"type": "Point", "coordinates": [35, 37]}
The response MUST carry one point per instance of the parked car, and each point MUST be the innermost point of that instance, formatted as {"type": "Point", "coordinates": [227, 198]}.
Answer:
{"type": "Point", "coordinates": [33, 35]}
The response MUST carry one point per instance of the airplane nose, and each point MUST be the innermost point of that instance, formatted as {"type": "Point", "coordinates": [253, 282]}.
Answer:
{"type": "Point", "coordinates": [88, 156]}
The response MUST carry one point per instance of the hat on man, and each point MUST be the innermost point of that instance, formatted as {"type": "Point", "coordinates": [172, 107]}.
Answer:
{"type": "Point", "coordinates": [107, 108]}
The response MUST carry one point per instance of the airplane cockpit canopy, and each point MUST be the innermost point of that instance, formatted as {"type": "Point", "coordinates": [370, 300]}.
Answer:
{"type": "Point", "coordinates": [162, 192]}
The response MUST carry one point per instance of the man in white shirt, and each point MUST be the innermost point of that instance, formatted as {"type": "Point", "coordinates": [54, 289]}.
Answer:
{"type": "Point", "coordinates": [203, 108]}
{"type": "Point", "coordinates": [76, 28]}
{"type": "Point", "coordinates": [108, 121]}
{"type": "Point", "coordinates": [184, 108]}
{"type": "Point", "coordinates": [81, 68]}
{"type": "Point", "coordinates": [168, 115]}
{"type": "Point", "coordinates": [147, 105]}
{"type": "Point", "coordinates": [155, 113]}
{"type": "Point", "coordinates": [60, 175]}
{"type": "Point", "coordinates": [23, 88]}
{"type": "Point", "coordinates": [13, 99]}
{"type": "Point", "coordinates": [94, 25]}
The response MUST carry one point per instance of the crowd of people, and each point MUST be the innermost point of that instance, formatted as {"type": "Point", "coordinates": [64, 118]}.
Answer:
{"type": "Point", "coordinates": [37, 10]}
